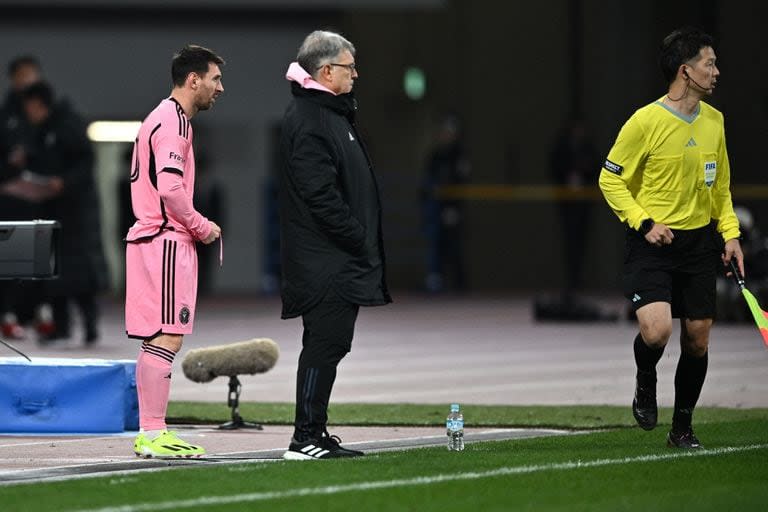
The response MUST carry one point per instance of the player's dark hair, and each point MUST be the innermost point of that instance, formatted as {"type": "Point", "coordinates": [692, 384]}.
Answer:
{"type": "Point", "coordinates": [192, 59]}
{"type": "Point", "coordinates": [679, 47]}
{"type": "Point", "coordinates": [21, 61]}
{"type": "Point", "coordinates": [41, 91]}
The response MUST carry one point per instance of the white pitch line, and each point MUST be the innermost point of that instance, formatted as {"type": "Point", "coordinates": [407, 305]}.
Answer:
{"type": "Point", "coordinates": [424, 480]}
{"type": "Point", "coordinates": [69, 460]}
{"type": "Point", "coordinates": [56, 441]}
{"type": "Point", "coordinates": [130, 458]}
{"type": "Point", "coordinates": [471, 433]}
{"type": "Point", "coordinates": [171, 464]}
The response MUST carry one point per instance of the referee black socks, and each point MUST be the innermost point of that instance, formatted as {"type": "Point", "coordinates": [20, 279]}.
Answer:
{"type": "Point", "coordinates": [645, 356]}
{"type": "Point", "coordinates": [689, 379]}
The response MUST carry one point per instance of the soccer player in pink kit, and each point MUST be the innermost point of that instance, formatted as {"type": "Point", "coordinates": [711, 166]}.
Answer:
{"type": "Point", "coordinates": [161, 262]}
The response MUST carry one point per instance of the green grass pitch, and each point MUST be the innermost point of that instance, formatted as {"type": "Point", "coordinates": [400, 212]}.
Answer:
{"type": "Point", "coordinates": [620, 468]}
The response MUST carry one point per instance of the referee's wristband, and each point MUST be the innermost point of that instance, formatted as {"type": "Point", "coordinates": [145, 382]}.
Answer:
{"type": "Point", "coordinates": [646, 226]}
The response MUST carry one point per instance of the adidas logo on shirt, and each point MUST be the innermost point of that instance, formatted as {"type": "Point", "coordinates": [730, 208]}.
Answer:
{"type": "Point", "coordinates": [636, 298]}
{"type": "Point", "coordinates": [691, 143]}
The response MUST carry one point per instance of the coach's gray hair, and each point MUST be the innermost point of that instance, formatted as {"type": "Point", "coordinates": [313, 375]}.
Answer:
{"type": "Point", "coordinates": [321, 47]}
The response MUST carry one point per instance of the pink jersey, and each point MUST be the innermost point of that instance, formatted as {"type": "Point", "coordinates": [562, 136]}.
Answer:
{"type": "Point", "coordinates": [163, 176]}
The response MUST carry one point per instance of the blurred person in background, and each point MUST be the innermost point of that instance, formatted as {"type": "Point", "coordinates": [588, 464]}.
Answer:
{"type": "Point", "coordinates": [668, 178]}
{"type": "Point", "coordinates": [18, 300]}
{"type": "Point", "coordinates": [330, 230]}
{"type": "Point", "coordinates": [23, 71]}
{"type": "Point", "coordinates": [446, 165]}
{"type": "Point", "coordinates": [574, 162]}
{"type": "Point", "coordinates": [59, 157]}
{"type": "Point", "coordinates": [211, 201]}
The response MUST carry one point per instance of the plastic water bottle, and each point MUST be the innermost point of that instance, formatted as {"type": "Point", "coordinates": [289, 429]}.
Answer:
{"type": "Point", "coordinates": [454, 425]}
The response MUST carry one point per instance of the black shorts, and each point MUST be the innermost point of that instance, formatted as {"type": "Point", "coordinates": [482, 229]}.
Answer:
{"type": "Point", "coordinates": [682, 273]}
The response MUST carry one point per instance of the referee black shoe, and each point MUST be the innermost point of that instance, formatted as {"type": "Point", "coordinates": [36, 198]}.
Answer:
{"type": "Point", "coordinates": [325, 447]}
{"type": "Point", "coordinates": [685, 439]}
{"type": "Point", "coordinates": [644, 406]}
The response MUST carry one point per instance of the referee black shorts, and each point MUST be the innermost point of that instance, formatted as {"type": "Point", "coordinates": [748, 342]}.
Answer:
{"type": "Point", "coordinates": [682, 273]}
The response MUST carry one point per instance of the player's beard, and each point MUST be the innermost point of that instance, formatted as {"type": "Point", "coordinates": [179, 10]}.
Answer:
{"type": "Point", "coordinates": [205, 104]}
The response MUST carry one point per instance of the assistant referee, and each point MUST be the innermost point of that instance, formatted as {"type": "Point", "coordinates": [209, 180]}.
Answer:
{"type": "Point", "coordinates": [668, 178]}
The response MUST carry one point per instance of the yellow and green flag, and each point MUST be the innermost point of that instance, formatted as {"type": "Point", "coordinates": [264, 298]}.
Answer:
{"type": "Point", "coordinates": [760, 316]}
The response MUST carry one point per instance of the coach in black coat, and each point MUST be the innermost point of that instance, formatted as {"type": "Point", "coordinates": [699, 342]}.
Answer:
{"type": "Point", "coordinates": [59, 151]}
{"type": "Point", "coordinates": [330, 223]}
{"type": "Point", "coordinates": [330, 214]}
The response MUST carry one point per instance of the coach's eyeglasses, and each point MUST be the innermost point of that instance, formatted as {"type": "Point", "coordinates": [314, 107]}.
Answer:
{"type": "Point", "coordinates": [351, 67]}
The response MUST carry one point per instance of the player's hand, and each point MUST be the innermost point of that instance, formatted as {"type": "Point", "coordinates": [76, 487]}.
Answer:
{"type": "Point", "coordinates": [733, 250]}
{"type": "Point", "coordinates": [215, 233]}
{"type": "Point", "coordinates": [659, 235]}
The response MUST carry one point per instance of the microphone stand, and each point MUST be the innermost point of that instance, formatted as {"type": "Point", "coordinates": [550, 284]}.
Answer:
{"type": "Point", "coordinates": [233, 401]}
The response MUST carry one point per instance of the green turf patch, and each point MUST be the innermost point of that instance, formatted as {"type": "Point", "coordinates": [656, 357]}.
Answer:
{"type": "Point", "coordinates": [568, 417]}
{"type": "Point", "coordinates": [623, 469]}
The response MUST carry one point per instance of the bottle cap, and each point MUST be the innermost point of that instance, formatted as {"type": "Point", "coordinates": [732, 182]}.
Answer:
{"type": "Point", "coordinates": [454, 407]}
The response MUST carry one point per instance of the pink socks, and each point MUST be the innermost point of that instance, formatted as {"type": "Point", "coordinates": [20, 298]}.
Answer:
{"type": "Point", "coordinates": [153, 383]}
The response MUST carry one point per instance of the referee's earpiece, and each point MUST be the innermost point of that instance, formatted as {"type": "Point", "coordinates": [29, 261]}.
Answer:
{"type": "Point", "coordinates": [687, 77]}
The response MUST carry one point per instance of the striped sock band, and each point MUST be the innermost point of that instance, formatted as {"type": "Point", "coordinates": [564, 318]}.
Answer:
{"type": "Point", "coordinates": [162, 353]}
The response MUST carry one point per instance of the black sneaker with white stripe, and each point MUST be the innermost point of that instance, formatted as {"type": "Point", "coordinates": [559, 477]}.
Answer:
{"type": "Point", "coordinates": [684, 438]}
{"type": "Point", "coordinates": [325, 447]}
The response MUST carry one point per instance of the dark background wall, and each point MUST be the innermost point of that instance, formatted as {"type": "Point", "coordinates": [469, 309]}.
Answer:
{"type": "Point", "coordinates": [514, 71]}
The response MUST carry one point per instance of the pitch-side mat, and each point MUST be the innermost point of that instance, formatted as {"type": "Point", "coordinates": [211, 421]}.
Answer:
{"type": "Point", "coordinates": [36, 459]}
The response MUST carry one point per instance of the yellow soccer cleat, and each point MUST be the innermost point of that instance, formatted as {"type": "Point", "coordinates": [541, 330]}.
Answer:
{"type": "Point", "coordinates": [166, 445]}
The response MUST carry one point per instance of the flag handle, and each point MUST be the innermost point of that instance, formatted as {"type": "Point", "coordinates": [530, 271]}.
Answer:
{"type": "Point", "coordinates": [736, 274]}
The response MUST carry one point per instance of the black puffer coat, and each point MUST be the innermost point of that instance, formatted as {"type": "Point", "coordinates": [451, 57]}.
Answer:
{"type": "Point", "coordinates": [330, 207]}
{"type": "Point", "coordinates": [60, 147]}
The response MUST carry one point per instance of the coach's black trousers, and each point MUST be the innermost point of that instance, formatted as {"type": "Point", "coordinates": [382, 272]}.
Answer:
{"type": "Point", "coordinates": [328, 331]}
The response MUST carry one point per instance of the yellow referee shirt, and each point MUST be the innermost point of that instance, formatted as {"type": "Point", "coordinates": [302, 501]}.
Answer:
{"type": "Point", "coordinates": [672, 169]}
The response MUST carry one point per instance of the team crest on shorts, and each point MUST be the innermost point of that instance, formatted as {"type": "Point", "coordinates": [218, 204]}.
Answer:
{"type": "Point", "coordinates": [184, 315]}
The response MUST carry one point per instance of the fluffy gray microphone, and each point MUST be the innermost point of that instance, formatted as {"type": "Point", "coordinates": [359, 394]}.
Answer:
{"type": "Point", "coordinates": [243, 358]}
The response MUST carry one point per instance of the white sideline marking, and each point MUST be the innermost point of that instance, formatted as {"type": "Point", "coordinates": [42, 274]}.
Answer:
{"type": "Point", "coordinates": [470, 434]}
{"type": "Point", "coordinates": [66, 461]}
{"type": "Point", "coordinates": [423, 480]}
{"type": "Point", "coordinates": [4, 471]}
{"type": "Point", "coordinates": [53, 441]}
